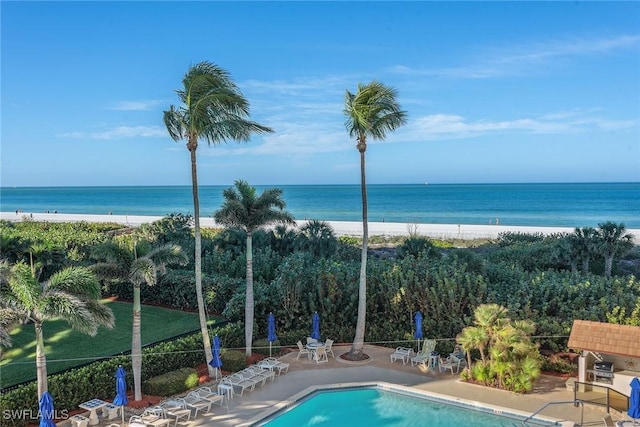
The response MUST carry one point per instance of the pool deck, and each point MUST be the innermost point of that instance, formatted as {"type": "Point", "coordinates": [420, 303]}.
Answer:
{"type": "Point", "coordinates": [304, 373]}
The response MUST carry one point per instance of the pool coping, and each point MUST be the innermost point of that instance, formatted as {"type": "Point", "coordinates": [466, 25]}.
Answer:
{"type": "Point", "coordinates": [409, 391]}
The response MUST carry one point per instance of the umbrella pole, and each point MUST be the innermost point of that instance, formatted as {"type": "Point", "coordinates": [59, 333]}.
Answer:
{"type": "Point", "coordinates": [269, 348]}
{"type": "Point", "coordinates": [122, 414]}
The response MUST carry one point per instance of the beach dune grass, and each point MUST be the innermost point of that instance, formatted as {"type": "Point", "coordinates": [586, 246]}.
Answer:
{"type": "Point", "coordinates": [66, 348]}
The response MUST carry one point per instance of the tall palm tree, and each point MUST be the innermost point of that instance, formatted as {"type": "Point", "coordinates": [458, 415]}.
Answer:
{"type": "Point", "coordinates": [612, 241]}
{"type": "Point", "coordinates": [72, 294]}
{"type": "Point", "coordinates": [213, 109]}
{"type": "Point", "coordinates": [245, 210]}
{"type": "Point", "coordinates": [370, 113]}
{"type": "Point", "coordinates": [138, 265]}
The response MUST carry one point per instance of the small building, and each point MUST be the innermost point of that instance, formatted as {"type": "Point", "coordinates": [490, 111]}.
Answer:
{"type": "Point", "coordinates": [610, 353]}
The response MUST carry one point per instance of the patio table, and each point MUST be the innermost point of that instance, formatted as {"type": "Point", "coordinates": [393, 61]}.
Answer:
{"type": "Point", "coordinates": [92, 406]}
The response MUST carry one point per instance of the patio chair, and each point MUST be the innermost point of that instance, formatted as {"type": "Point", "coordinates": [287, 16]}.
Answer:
{"type": "Point", "coordinates": [176, 410]}
{"type": "Point", "coordinates": [236, 381]}
{"type": "Point", "coordinates": [193, 401]}
{"type": "Point", "coordinates": [401, 353]}
{"type": "Point", "coordinates": [136, 421]}
{"type": "Point", "coordinates": [425, 353]}
{"type": "Point", "coordinates": [310, 340]}
{"type": "Point", "coordinates": [154, 416]}
{"type": "Point", "coordinates": [250, 376]}
{"type": "Point", "coordinates": [272, 364]}
{"type": "Point", "coordinates": [328, 345]}
{"type": "Point", "coordinates": [206, 393]}
{"type": "Point", "coordinates": [259, 370]}
{"type": "Point", "coordinates": [608, 421]}
{"type": "Point", "coordinates": [302, 350]}
{"type": "Point", "coordinates": [320, 355]}
{"type": "Point", "coordinates": [450, 363]}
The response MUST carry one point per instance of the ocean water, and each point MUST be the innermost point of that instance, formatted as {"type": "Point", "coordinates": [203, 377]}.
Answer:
{"type": "Point", "coordinates": [564, 205]}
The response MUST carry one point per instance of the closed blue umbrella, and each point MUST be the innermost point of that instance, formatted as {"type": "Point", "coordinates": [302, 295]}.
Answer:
{"type": "Point", "coordinates": [271, 330]}
{"type": "Point", "coordinates": [46, 410]}
{"type": "Point", "coordinates": [418, 333]}
{"type": "Point", "coordinates": [121, 390]}
{"type": "Point", "coordinates": [634, 400]}
{"type": "Point", "coordinates": [216, 361]}
{"type": "Point", "coordinates": [315, 322]}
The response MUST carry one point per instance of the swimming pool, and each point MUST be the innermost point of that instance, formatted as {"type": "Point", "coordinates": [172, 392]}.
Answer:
{"type": "Point", "coordinates": [386, 405]}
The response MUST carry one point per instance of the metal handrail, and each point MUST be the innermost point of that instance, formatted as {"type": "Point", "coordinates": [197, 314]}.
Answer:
{"type": "Point", "coordinates": [559, 402]}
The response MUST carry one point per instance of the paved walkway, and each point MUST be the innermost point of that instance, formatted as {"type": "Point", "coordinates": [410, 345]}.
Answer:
{"type": "Point", "coordinates": [304, 373]}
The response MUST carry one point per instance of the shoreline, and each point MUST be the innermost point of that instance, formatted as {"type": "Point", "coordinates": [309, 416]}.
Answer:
{"type": "Point", "coordinates": [341, 228]}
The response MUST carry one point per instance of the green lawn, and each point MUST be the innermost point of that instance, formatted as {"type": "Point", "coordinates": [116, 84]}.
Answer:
{"type": "Point", "coordinates": [66, 348]}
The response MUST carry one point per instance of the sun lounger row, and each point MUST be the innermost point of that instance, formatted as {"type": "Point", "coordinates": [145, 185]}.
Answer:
{"type": "Point", "coordinates": [178, 409]}
{"type": "Point", "coordinates": [251, 376]}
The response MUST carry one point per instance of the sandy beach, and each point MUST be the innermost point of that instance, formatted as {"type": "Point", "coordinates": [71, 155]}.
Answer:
{"type": "Point", "coordinates": [341, 228]}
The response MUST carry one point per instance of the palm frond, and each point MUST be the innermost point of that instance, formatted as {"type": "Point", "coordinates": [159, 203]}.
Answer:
{"type": "Point", "coordinates": [77, 281]}
{"type": "Point", "coordinates": [70, 308]}
{"type": "Point", "coordinates": [176, 123]}
{"type": "Point", "coordinates": [143, 270]}
{"type": "Point", "coordinates": [23, 286]}
{"type": "Point", "coordinates": [100, 313]}
{"type": "Point", "coordinates": [372, 111]}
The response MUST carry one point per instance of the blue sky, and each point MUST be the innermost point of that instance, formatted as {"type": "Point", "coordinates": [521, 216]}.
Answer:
{"type": "Point", "coordinates": [494, 91]}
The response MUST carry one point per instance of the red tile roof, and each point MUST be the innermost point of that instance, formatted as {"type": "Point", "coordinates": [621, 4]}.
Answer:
{"type": "Point", "coordinates": [622, 340]}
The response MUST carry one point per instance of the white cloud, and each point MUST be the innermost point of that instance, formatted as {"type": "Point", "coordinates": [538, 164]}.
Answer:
{"type": "Point", "coordinates": [119, 132]}
{"type": "Point", "coordinates": [144, 105]}
{"type": "Point", "coordinates": [438, 126]}
{"type": "Point", "coordinates": [496, 62]}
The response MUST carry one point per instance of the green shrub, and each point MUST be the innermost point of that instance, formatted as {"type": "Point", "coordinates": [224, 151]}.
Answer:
{"type": "Point", "coordinates": [96, 380]}
{"type": "Point", "coordinates": [172, 382]}
{"type": "Point", "coordinates": [233, 360]}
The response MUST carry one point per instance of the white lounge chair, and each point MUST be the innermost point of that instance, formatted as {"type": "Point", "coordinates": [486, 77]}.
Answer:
{"type": "Point", "coordinates": [206, 393]}
{"type": "Point", "coordinates": [401, 353]}
{"type": "Point", "coordinates": [425, 353]}
{"type": "Point", "coordinates": [302, 350]}
{"type": "Point", "coordinates": [251, 376]}
{"type": "Point", "coordinates": [155, 417]}
{"type": "Point", "coordinates": [176, 410]}
{"type": "Point", "coordinates": [136, 421]}
{"type": "Point", "coordinates": [237, 381]}
{"type": "Point", "coordinates": [193, 401]}
{"type": "Point", "coordinates": [259, 370]}
{"type": "Point", "coordinates": [272, 364]}
{"type": "Point", "coordinates": [450, 363]}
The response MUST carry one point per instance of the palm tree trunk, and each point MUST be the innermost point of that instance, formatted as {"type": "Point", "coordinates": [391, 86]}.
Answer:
{"type": "Point", "coordinates": [358, 341]}
{"type": "Point", "coordinates": [136, 344]}
{"type": "Point", "coordinates": [608, 264]}
{"type": "Point", "coordinates": [41, 360]}
{"type": "Point", "coordinates": [206, 341]}
{"type": "Point", "coordinates": [249, 304]}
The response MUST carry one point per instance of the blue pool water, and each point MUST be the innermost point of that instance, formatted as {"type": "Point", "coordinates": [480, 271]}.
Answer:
{"type": "Point", "coordinates": [373, 407]}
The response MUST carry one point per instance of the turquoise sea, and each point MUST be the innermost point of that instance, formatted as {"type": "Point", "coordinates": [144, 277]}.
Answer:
{"type": "Point", "coordinates": [567, 205]}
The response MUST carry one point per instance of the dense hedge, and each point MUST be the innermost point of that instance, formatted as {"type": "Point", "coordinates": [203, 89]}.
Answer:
{"type": "Point", "coordinates": [97, 380]}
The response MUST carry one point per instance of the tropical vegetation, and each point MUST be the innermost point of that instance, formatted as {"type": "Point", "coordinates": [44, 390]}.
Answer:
{"type": "Point", "coordinates": [509, 359]}
{"type": "Point", "coordinates": [213, 109]}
